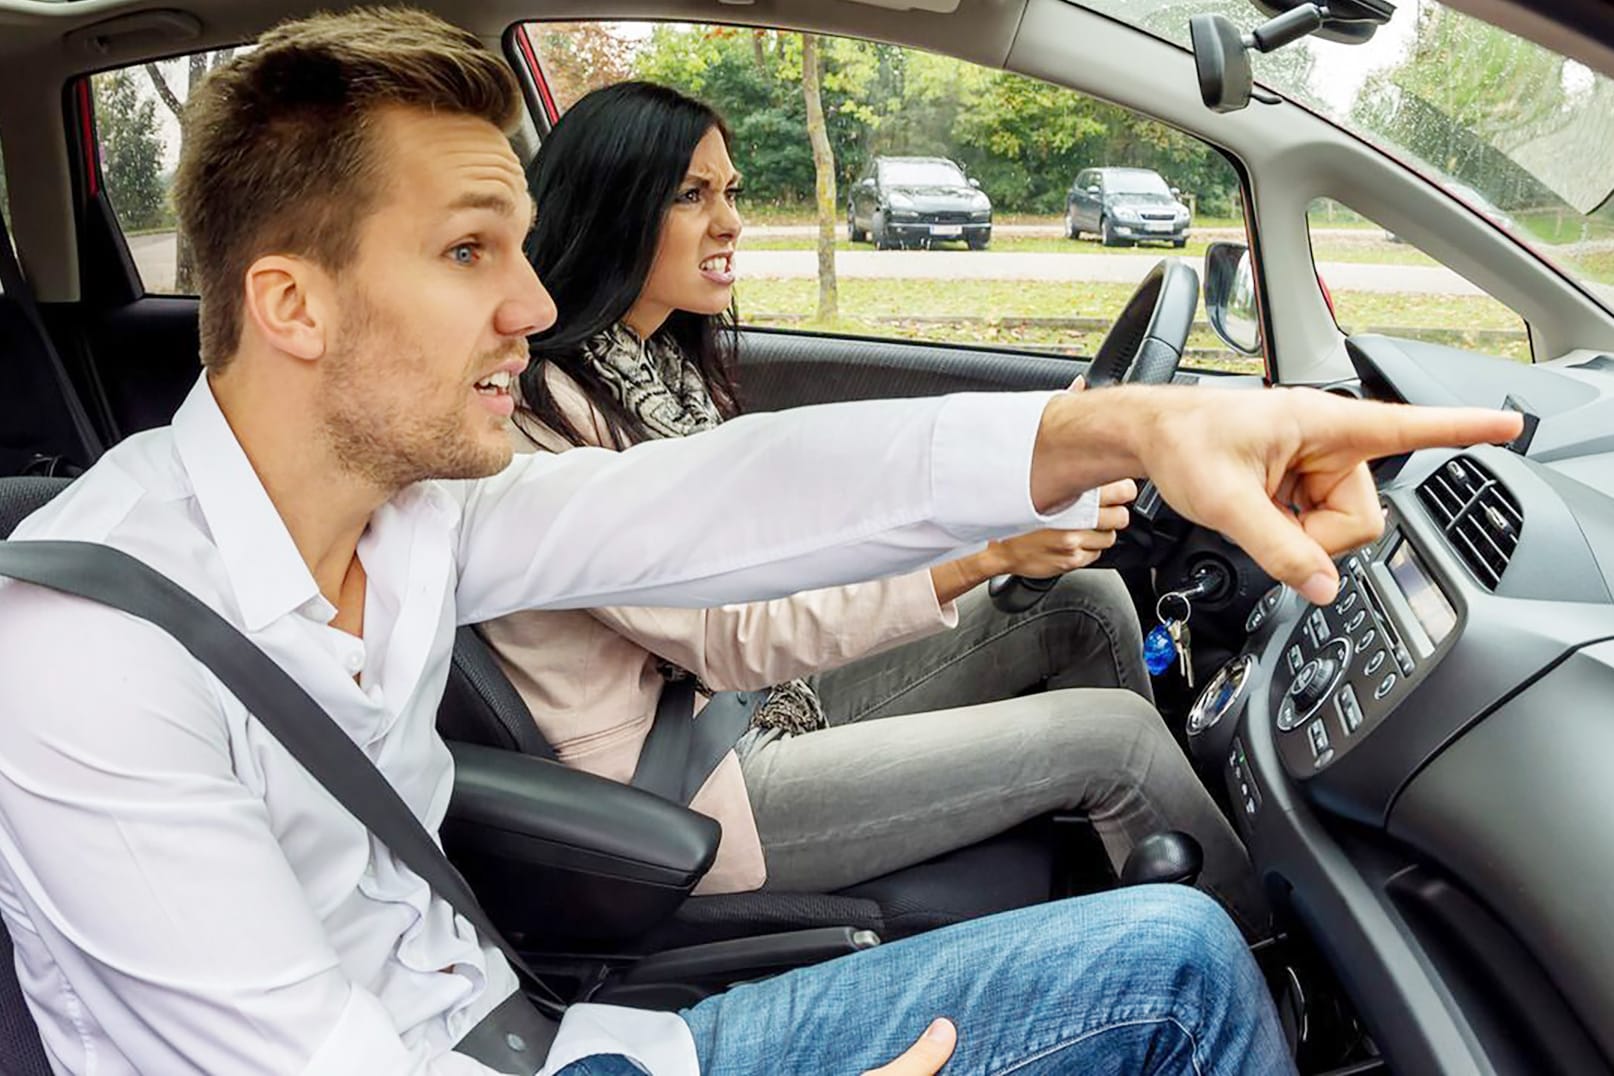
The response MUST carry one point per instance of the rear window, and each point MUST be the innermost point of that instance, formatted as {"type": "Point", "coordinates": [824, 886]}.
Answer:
{"type": "Point", "coordinates": [138, 140]}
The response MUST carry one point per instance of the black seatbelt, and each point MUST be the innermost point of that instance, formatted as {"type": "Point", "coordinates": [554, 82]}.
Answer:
{"type": "Point", "coordinates": [15, 286]}
{"type": "Point", "coordinates": [683, 747]}
{"type": "Point", "coordinates": [114, 578]}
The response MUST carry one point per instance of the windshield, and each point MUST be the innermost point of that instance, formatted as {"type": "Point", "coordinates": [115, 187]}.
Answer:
{"type": "Point", "coordinates": [921, 174]}
{"type": "Point", "coordinates": [1136, 183]}
{"type": "Point", "coordinates": [1518, 132]}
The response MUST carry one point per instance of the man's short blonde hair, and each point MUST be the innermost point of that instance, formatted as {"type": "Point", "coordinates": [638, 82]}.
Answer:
{"type": "Point", "coordinates": [279, 153]}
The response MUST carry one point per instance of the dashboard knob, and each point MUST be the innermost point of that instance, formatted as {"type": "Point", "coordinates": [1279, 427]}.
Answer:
{"type": "Point", "coordinates": [1313, 682]}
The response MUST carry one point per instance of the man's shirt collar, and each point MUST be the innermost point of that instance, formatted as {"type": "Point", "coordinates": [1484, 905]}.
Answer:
{"type": "Point", "coordinates": [267, 573]}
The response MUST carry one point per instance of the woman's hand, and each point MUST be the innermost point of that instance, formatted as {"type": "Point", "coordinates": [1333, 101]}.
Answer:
{"type": "Point", "coordinates": [1046, 553]}
{"type": "Point", "coordinates": [1041, 554]}
{"type": "Point", "coordinates": [925, 1057]}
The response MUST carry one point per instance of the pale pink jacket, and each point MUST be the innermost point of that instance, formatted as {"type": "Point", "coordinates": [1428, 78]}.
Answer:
{"type": "Point", "coordinates": [590, 678]}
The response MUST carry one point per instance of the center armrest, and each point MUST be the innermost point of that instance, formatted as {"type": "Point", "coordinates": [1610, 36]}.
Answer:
{"type": "Point", "coordinates": [558, 856]}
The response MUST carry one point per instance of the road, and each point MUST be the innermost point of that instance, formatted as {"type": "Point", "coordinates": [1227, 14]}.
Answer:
{"type": "Point", "coordinates": [155, 255]}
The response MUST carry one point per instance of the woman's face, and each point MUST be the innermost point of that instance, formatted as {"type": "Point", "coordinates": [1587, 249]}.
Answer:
{"type": "Point", "coordinates": [694, 265]}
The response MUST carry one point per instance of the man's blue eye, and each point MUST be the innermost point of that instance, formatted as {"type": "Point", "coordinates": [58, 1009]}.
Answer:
{"type": "Point", "coordinates": [464, 253]}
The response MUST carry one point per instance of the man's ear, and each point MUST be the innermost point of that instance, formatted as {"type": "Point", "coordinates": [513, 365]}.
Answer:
{"type": "Point", "coordinates": [285, 305]}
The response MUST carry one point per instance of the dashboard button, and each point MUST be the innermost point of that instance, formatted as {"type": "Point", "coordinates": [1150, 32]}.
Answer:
{"type": "Point", "coordinates": [1386, 686]}
{"type": "Point", "coordinates": [1295, 657]}
{"type": "Point", "coordinates": [1366, 641]}
{"type": "Point", "coordinates": [1374, 663]}
{"type": "Point", "coordinates": [1320, 630]}
{"type": "Point", "coordinates": [1356, 621]}
{"type": "Point", "coordinates": [1287, 716]}
{"type": "Point", "coordinates": [1403, 659]}
{"type": "Point", "coordinates": [1347, 603]}
{"type": "Point", "coordinates": [1350, 712]}
{"type": "Point", "coordinates": [1257, 618]}
{"type": "Point", "coordinates": [1319, 739]}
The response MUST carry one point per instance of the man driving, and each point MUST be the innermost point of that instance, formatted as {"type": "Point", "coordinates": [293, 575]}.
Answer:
{"type": "Point", "coordinates": [338, 485]}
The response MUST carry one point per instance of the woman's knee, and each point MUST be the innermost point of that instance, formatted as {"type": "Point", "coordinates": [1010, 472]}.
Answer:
{"type": "Point", "coordinates": [1114, 721]}
{"type": "Point", "coordinates": [1093, 592]}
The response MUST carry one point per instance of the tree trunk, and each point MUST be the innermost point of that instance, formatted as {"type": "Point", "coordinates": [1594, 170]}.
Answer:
{"type": "Point", "coordinates": [824, 166]}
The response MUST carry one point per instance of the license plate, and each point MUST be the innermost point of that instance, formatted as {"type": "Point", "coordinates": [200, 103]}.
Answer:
{"type": "Point", "coordinates": [1157, 227]}
{"type": "Point", "coordinates": [947, 229]}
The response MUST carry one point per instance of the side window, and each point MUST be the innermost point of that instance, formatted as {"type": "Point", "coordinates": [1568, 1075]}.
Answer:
{"type": "Point", "coordinates": [1376, 282]}
{"type": "Point", "coordinates": [973, 236]}
{"type": "Point", "coordinates": [138, 138]}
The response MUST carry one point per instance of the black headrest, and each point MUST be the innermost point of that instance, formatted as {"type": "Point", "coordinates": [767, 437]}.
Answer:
{"type": "Point", "coordinates": [21, 497]}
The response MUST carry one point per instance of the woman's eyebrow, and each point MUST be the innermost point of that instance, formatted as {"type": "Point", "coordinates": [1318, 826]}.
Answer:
{"type": "Point", "coordinates": [705, 181]}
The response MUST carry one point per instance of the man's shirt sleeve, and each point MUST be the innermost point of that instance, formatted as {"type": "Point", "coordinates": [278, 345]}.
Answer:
{"type": "Point", "coordinates": [763, 506]}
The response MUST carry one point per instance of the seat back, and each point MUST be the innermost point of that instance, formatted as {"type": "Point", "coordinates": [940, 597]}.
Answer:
{"type": "Point", "coordinates": [21, 1052]}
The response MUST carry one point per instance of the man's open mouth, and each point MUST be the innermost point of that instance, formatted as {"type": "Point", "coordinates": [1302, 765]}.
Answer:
{"type": "Point", "coordinates": [496, 384]}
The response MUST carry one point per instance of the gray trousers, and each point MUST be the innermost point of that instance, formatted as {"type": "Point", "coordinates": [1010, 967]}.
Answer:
{"type": "Point", "coordinates": [953, 739]}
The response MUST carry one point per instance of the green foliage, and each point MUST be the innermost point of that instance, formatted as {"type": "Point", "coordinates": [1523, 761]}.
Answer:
{"type": "Point", "coordinates": [1463, 96]}
{"type": "Point", "coordinates": [1023, 139]}
{"type": "Point", "coordinates": [131, 151]}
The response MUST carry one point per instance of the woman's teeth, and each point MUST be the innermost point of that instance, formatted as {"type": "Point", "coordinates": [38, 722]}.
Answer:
{"type": "Point", "coordinates": [718, 263]}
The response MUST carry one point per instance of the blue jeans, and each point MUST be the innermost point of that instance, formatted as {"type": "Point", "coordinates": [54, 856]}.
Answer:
{"type": "Point", "coordinates": [1149, 980]}
{"type": "Point", "coordinates": [1153, 979]}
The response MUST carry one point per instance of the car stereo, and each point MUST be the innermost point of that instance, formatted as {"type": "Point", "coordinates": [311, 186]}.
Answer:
{"type": "Point", "coordinates": [1347, 664]}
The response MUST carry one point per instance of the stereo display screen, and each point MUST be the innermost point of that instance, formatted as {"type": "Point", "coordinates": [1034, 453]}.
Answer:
{"type": "Point", "coordinates": [1433, 610]}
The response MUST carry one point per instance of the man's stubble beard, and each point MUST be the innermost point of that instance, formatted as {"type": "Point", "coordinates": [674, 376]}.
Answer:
{"type": "Point", "coordinates": [377, 433]}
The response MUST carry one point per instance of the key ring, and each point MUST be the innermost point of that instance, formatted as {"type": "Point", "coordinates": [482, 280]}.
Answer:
{"type": "Point", "coordinates": [1172, 595]}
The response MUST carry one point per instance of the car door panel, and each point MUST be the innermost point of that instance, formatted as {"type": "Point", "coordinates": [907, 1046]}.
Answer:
{"type": "Point", "coordinates": [779, 370]}
{"type": "Point", "coordinates": [148, 355]}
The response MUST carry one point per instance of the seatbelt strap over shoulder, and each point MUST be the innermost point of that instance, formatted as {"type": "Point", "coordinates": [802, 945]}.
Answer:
{"type": "Point", "coordinates": [112, 577]}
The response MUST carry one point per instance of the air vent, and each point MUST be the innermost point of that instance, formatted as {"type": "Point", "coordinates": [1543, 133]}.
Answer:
{"type": "Point", "coordinates": [1481, 518]}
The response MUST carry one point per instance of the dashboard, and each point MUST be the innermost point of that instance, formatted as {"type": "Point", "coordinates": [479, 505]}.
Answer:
{"type": "Point", "coordinates": [1423, 769]}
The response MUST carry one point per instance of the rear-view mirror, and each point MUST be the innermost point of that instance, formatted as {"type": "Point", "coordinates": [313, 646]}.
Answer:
{"type": "Point", "coordinates": [1222, 62]}
{"type": "Point", "coordinates": [1230, 302]}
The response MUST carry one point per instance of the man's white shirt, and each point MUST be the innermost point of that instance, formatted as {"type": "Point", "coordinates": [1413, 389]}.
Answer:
{"type": "Point", "coordinates": [185, 898]}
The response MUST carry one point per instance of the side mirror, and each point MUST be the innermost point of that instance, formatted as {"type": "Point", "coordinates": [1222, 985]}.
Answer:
{"type": "Point", "coordinates": [1093, 191]}
{"type": "Point", "coordinates": [1230, 297]}
{"type": "Point", "coordinates": [1176, 192]}
{"type": "Point", "coordinates": [975, 183]}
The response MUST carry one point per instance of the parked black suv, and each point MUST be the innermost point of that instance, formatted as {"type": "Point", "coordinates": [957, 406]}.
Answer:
{"type": "Point", "coordinates": [1125, 206]}
{"type": "Point", "coordinates": [917, 201]}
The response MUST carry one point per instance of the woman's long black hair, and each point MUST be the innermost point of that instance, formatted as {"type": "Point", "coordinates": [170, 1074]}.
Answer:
{"type": "Point", "coordinates": [603, 182]}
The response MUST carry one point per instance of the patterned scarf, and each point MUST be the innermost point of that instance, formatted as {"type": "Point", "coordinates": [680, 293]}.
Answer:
{"type": "Point", "coordinates": [654, 381]}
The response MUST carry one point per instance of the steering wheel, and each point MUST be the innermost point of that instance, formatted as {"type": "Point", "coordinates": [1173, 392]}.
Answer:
{"type": "Point", "coordinates": [1143, 347]}
{"type": "Point", "coordinates": [1145, 344]}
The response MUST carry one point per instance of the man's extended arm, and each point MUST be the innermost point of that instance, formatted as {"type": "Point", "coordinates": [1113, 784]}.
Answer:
{"type": "Point", "coordinates": [763, 506]}
{"type": "Point", "coordinates": [773, 504]}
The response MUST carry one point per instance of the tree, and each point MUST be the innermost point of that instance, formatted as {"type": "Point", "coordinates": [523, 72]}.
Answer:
{"type": "Point", "coordinates": [824, 188]}
{"type": "Point", "coordinates": [131, 151]}
{"type": "Point", "coordinates": [580, 57]}
{"type": "Point", "coordinates": [197, 66]}
{"type": "Point", "coordinates": [1464, 99]}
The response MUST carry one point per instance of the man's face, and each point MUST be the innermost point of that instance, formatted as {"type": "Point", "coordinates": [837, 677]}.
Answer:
{"type": "Point", "coordinates": [434, 312]}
